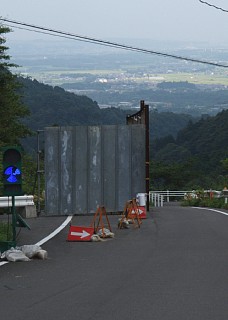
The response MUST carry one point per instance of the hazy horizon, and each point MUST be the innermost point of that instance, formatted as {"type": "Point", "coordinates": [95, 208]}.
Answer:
{"type": "Point", "coordinates": [163, 21]}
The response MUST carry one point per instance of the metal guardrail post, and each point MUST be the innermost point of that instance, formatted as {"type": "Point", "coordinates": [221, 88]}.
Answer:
{"type": "Point", "coordinates": [157, 199]}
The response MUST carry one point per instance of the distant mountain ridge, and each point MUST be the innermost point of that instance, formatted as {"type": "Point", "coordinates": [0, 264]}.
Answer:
{"type": "Point", "coordinates": [54, 106]}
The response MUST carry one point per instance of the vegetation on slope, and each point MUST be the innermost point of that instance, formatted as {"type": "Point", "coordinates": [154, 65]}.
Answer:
{"type": "Point", "coordinates": [11, 106]}
{"type": "Point", "coordinates": [54, 106]}
{"type": "Point", "coordinates": [196, 158]}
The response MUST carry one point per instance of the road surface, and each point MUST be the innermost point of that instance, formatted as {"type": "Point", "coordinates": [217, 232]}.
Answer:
{"type": "Point", "coordinates": [175, 267]}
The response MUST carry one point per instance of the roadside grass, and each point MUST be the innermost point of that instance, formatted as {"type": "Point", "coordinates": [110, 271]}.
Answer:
{"type": "Point", "coordinates": [6, 233]}
{"type": "Point", "coordinates": [218, 203]}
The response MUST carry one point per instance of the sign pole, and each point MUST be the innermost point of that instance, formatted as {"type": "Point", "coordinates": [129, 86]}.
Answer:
{"type": "Point", "coordinates": [14, 219]}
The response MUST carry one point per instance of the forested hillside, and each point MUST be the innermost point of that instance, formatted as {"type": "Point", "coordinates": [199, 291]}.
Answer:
{"type": "Point", "coordinates": [196, 155]}
{"type": "Point", "coordinates": [54, 106]}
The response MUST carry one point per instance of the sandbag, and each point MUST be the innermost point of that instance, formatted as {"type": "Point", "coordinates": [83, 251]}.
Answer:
{"type": "Point", "coordinates": [14, 255]}
{"type": "Point", "coordinates": [105, 233]}
{"type": "Point", "coordinates": [24, 253]}
{"type": "Point", "coordinates": [30, 250]}
{"type": "Point", "coordinates": [41, 254]}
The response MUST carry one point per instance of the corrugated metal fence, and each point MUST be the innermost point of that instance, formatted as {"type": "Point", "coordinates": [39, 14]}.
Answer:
{"type": "Point", "coordinates": [90, 166]}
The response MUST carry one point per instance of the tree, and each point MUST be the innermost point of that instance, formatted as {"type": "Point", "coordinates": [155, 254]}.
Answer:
{"type": "Point", "coordinates": [12, 110]}
{"type": "Point", "coordinates": [225, 164]}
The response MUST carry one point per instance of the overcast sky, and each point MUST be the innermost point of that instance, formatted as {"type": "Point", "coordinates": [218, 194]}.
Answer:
{"type": "Point", "coordinates": [166, 20]}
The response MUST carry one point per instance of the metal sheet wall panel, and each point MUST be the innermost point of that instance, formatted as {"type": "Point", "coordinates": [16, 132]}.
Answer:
{"type": "Point", "coordinates": [124, 165]}
{"type": "Point", "coordinates": [138, 172]}
{"type": "Point", "coordinates": [110, 189]}
{"type": "Point", "coordinates": [80, 173]}
{"type": "Point", "coordinates": [94, 168]}
{"type": "Point", "coordinates": [90, 166]}
{"type": "Point", "coordinates": [52, 171]}
{"type": "Point", "coordinates": [66, 168]}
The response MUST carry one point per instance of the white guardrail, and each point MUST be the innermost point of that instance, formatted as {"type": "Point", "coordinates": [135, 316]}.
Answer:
{"type": "Point", "coordinates": [159, 197]}
{"type": "Point", "coordinates": [20, 201]}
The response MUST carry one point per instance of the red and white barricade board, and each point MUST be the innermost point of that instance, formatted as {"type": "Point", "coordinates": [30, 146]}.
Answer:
{"type": "Point", "coordinates": [79, 233]}
{"type": "Point", "coordinates": [142, 212]}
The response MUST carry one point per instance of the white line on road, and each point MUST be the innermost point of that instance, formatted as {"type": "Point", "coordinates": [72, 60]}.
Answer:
{"type": "Point", "coordinates": [54, 233]}
{"type": "Point", "coordinates": [3, 262]}
{"type": "Point", "coordinates": [51, 235]}
{"type": "Point", "coordinates": [200, 208]}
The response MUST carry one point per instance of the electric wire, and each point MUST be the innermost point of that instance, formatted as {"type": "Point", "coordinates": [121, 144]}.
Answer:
{"type": "Point", "coordinates": [47, 33]}
{"type": "Point", "coordinates": [213, 6]}
{"type": "Point", "coordinates": [59, 33]}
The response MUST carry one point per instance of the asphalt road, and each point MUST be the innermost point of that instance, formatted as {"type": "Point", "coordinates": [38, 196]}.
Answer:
{"type": "Point", "coordinates": [175, 267]}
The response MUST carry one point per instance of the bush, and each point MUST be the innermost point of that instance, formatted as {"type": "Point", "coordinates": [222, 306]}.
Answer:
{"type": "Point", "coordinates": [191, 202]}
{"type": "Point", "coordinates": [206, 202]}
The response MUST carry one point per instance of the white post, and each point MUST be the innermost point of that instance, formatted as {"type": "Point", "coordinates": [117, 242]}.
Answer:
{"type": "Point", "coordinates": [155, 200]}
{"type": "Point", "coordinates": [150, 197]}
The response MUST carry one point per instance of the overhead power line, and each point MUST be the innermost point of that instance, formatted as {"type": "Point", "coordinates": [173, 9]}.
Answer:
{"type": "Point", "coordinates": [213, 6]}
{"type": "Point", "coordinates": [77, 37]}
{"type": "Point", "coordinates": [43, 32]}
